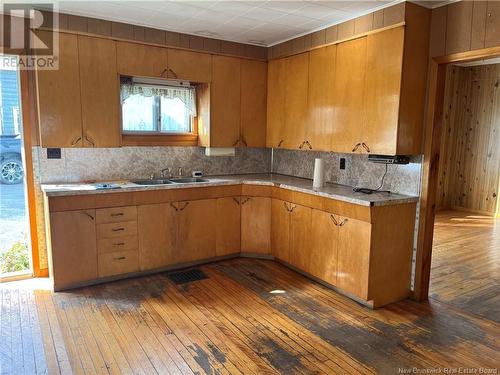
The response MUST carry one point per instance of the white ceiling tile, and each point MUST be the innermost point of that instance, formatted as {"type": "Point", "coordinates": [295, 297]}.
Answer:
{"type": "Point", "coordinates": [267, 21]}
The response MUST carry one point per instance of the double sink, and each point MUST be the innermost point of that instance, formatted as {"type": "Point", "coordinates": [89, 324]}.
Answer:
{"type": "Point", "coordinates": [186, 180]}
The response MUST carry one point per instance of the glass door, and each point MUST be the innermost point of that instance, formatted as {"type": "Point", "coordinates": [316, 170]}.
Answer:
{"type": "Point", "coordinates": [15, 246]}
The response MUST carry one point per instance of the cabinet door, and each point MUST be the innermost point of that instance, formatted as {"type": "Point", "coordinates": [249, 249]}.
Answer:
{"type": "Point", "coordinates": [59, 103]}
{"type": "Point", "coordinates": [349, 95]}
{"type": "Point", "coordinates": [296, 83]}
{"type": "Point", "coordinates": [256, 225]}
{"type": "Point", "coordinates": [225, 103]}
{"type": "Point", "coordinates": [157, 230]}
{"type": "Point", "coordinates": [324, 241]}
{"type": "Point", "coordinates": [228, 231]}
{"type": "Point", "coordinates": [73, 247]}
{"type": "Point", "coordinates": [275, 103]}
{"type": "Point", "coordinates": [300, 236]}
{"type": "Point", "coordinates": [353, 256]}
{"type": "Point", "coordinates": [196, 235]}
{"type": "Point", "coordinates": [384, 61]}
{"type": "Point", "coordinates": [280, 230]}
{"type": "Point", "coordinates": [189, 66]}
{"type": "Point", "coordinates": [141, 60]}
{"type": "Point", "coordinates": [253, 103]}
{"type": "Point", "coordinates": [321, 98]}
{"type": "Point", "coordinates": [99, 86]}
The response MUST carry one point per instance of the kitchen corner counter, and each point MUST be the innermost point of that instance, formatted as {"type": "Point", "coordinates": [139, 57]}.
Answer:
{"type": "Point", "coordinates": [332, 191]}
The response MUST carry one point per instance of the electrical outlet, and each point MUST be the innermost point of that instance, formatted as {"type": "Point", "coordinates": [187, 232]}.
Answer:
{"type": "Point", "coordinates": [53, 153]}
{"type": "Point", "coordinates": [342, 163]}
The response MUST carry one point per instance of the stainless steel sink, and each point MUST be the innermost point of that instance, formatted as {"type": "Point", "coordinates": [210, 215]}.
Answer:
{"type": "Point", "coordinates": [152, 182]}
{"type": "Point", "coordinates": [188, 180]}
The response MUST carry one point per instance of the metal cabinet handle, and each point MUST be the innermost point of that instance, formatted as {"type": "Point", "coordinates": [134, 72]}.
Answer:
{"type": "Point", "coordinates": [365, 146]}
{"type": "Point", "coordinates": [118, 229]}
{"type": "Point", "coordinates": [356, 147]}
{"type": "Point", "coordinates": [89, 215]}
{"type": "Point", "coordinates": [173, 73]}
{"type": "Point", "coordinates": [302, 145]}
{"type": "Point", "coordinates": [243, 141]}
{"type": "Point", "coordinates": [182, 209]}
{"type": "Point", "coordinates": [75, 141]}
{"type": "Point", "coordinates": [236, 143]}
{"type": "Point", "coordinates": [309, 145]}
{"type": "Point", "coordinates": [237, 201]}
{"type": "Point", "coordinates": [119, 244]}
{"type": "Point", "coordinates": [246, 200]}
{"type": "Point", "coordinates": [286, 207]}
{"type": "Point", "coordinates": [173, 205]}
{"type": "Point", "coordinates": [163, 72]}
{"type": "Point", "coordinates": [90, 140]}
{"type": "Point", "coordinates": [280, 142]}
{"type": "Point", "coordinates": [334, 220]}
{"type": "Point", "coordinates": [120, 258]}
{"type": "Point", "coordinates": [117, 214]}
{"type": "Point", "coordinates": [343, 222]}
{"type": "Point", "coordinates": [292, 207]}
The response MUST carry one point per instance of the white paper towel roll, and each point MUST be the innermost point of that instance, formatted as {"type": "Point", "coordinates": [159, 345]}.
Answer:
{"type": "Point", "coordinates": [319, 173]}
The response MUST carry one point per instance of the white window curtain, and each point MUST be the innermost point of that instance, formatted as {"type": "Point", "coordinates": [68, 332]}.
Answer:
{"type": "Point", "coordinates": [186, 94]}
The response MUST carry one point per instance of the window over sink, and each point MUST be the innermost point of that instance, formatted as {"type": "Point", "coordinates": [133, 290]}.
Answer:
{"type": "Point", "coordinates": [157, 111]}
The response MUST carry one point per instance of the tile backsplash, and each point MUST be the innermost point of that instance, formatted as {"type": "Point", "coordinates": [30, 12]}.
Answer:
{"type": "Point", "coordinates": [403, 179]}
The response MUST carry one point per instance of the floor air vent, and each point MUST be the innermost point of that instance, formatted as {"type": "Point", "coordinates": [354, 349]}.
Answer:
{"type": "Point", "coordinates": [187, 276]}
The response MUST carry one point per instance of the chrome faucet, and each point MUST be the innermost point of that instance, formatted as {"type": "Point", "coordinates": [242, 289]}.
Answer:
{"type": "Point", "coordinates": [179, 171]}
{"type": "Point", "coordinates": [166, 172]}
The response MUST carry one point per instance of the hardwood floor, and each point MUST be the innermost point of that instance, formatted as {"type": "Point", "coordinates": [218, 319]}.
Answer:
{"type": "Point", "coordinates": [248, 316]}
{"type": "Point", "coordinates": [465, 269]}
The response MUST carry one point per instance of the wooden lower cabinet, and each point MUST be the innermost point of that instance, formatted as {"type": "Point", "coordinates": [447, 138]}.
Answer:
{"type": "Point", "coordinates": [256, 225]}
{"type": "Point", "coordinates": [196, 233]}
{"type": "Point", "coordinates": [280, 230]}
{"type": "Point", "coordinates": [228, 227]}
{"type": "Point", "coordinates": [73, 255]}
{"type": "Point", "coordinates": [118, 263]}
{"type": "Point", "coordinates": [324, 246]}
{"type": "Point", "coordinates": [300, 236]}
{"type": "Point", "coordinates": [157, 235]}
{"type": "Point", "coordinates": [353, 248]}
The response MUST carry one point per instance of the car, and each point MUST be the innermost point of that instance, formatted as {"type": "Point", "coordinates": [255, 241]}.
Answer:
{"type": "Point", "coordinates": [11, 162]}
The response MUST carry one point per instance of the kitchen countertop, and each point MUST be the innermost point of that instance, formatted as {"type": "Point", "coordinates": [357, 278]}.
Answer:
{"type": "Point", "coordinates": [332, 191]}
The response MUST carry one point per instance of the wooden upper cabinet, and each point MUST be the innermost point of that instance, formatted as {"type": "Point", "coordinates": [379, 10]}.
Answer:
{"type": "Point", "coordinates": [296, 84]}
{"type": "Point", "coordinates": [323, 247]}
{"type": "Point", "coordinates": [135, 59]}
{"type": "Point", "coordinates": [300, 236]}
{"type": "Point", "coordinates": [459, 27]}
{"type": "Point", "coordinates": [73, 247]}
{"type": "Point", "coordinates": [100, 98]}
{"type": "Point", "coordinates": [275, 103]}
{"type": "Point", "coordinates": [256, 225]}
{"type": "Point", "coordinates": [280, 229]}
{"type": "Point", "coordinates": [492, 37]}
{"type": "Point", "coordinates": [350, 94]}
{"type": "Point", "coordinates": [60, 115]}
{"type": "Point", "coordinates": [253, 103]}
{"type": "Point", "coordinates": [196, 235]}
{"type": "Point", "coordinates": [225, 102]}
{"type": "Point", "coordinates": [157, 230]}
{"type": "Point", "coordinates": [353, 256]}
{"type": "Point", "coordinates": [384, 62]}
{"type": "Point", "coordinates": [228, 230]}
{"type": "Point", "coordinates": [321, 97]}
{"type": "Point", "coordinates": [189, 66]}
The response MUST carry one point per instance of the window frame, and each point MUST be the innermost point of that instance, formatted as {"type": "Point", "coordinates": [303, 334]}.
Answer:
{"type": "Point", "coordinates": [157, 138]}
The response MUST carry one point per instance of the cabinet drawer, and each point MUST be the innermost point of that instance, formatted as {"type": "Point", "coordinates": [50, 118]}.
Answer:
{"type": "Point", "coordinates": [117, 263]}
{"type": "Point", "coordinates": [124, 243]}
{"type": "Point", "coordinates": [116, 214]}
{"type": "Point", "coordinates": [114, 230]}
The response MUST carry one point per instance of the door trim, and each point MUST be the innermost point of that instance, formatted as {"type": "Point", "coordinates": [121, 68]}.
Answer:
{"type": "Point", "coordinates": [430, 170]}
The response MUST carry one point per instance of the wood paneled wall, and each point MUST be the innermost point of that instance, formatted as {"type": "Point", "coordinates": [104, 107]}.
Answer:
{"type": "Point", "coordinates": [469, 171]}
{"type": "Point", "coordinates": [464, 26]}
